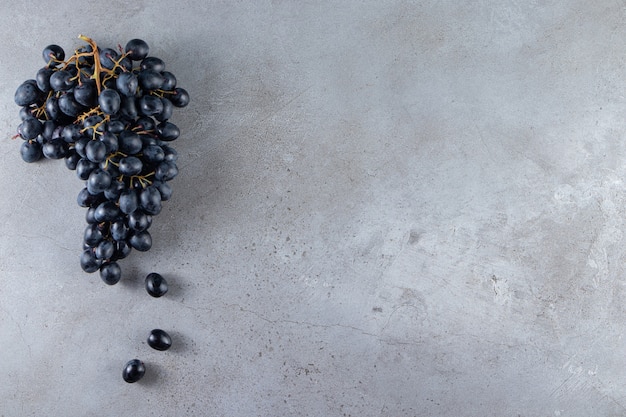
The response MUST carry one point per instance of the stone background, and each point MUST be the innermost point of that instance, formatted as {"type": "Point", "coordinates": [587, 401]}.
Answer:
{"type": "Point", "coordinates": [384, 208]}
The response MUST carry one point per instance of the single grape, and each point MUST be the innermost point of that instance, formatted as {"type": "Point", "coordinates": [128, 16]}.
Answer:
{"type": "Point", "coordinates": [166, 171]}
{"type": "Point", "coordinates": [150, 79]}
{"type": "Point", "coordinates": [122, 249]}
{"type": "Point", "coordinates": [27, 93]}
{"type": "Point", "coordinates": [139, 221]}
{"type": "Point", "coordinates": [53, 55]}
{"type": "Point", "coordinates": [30, 128]}
{"type": "Point", "coordinates": [150, 200]}
{"type": "Point", "coordinates": [107, 211]}
{"type": "Point", "coordinates": [110, 141]}
{"type": "Point", "coordinates": [130, 142]}
{"type": "Point", "coordinates": [128, 201]}
{"type": "Point", "coordinates": [133, 371]}
{"type": "Point", "coordinates": [93, 235]}
{"type": "Point", "coordinates": [142, 241]}
{"type": "Point", "coordinates": [127, 84]}
{"type": "Point", "coordinates": [170, 81]}
{"type": "Point", "coordinates": [31, 151]}
{"type": "Point", "coordinates": [168, 131]}
{"type": "Point", "coordinates": [86, 94]}
{"type": "Point", "coordinates": [54, 149]}
{"type": "Point", "coordinates": [153, 153]}
{"type": "Point", "coordinates": [110, 273]}
{"type": "Point", "coordinates": [98, 181]}
{"type": "Point", "coordinates": [167, 112]}
{"type": "Point", "coordinates": [43, 79]}
{"type": "Point", "coordinates": [68, 105]}
{"type": "Point", "coordinates": [118, 230]}
{"type": "Point", "coordinates": [96, 151]}
{"type": "Point", "coordinates": [131, 165]}
{"type": "Point", "coordinates": [137, 49]}
{"type": "Point", "coordinates": [115, 189]}
{"type": "Point", "coordinates": [88, 261]}
{"type": "Point", "coordinates": [150, 105]}
{"type": "Point", "coordinates": [159, 340]}
{"type": "Point", "coordinates": [104, 250]}
{"type": "Point", "coordinates": [164, 189]}
{"type": "Point", "coordinates": [71, 159]}
{"type": "Point", "coordinates": [156, 285]}
{"type": "Point", "coordinates": [108, 57]}
{"type": "Point", "coordinates": [179, 98]}
{"type": "Point", "coordinates": [153, 63]}
{"type": "Point", "coordinates": [109, 101]}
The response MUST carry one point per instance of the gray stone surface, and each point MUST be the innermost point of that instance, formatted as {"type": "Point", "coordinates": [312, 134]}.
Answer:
{"type": "Point", "coordinates": [383, 209]}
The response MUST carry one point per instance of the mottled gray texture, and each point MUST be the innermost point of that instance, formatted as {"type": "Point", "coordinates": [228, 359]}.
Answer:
{"type": "Point", "coordinates": [383, 209]}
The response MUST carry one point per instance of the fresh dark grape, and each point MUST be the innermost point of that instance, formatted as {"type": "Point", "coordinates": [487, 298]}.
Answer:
{"type": "Point", "coordinates": [137, 49]}
{"type": "Point", "coordinates": [131, 165]}
{"type": "Point", "coordinates": [110, 141]}
{"type": "Point", "coordinates": [31, 151]}
{"type": "Point", "coordinates": [166, 171]}
{"type": "Point", "coordinates": [98, 181]}
{"type": "Point", "coordinates": [153, 153]}
{"type": "Point", "coordinates": [27, 93]}
{"type": "Point", "coordinates": [152, 63]}
{"type": "Point", "coordinates": [156, 285]}
{"type": "Point", "coordinates": [86, 199]}
{"type": "Point", "coordinates": [170, 81]}
{"type": "Point", "coordinates": [150, 79]}
{"type": "Point", "coordinates": [166, 113]}
{"type": "Point", "coordinates": [86, 94]}
{"type": "Point", "coordinates": [93, 235]}
{"type": "Point", "coordinates": [180, 97]}
{"type": "Point", "coordinates": [159, 340]}
{"type": "Point", "coordinates": [164, 189]}
{"type": "Point", "coordinates": [43, 79]}
{"type": "Point", "coordinates": [150, 200]}
{"type": "Point", "coordinates": [139, 221]}
{"type": "Point", "coordinates": [109, 101]}
{"type": "Point", "coordinates": [30, 128]}
{"type": "Point", "coordinates": [104, 250]}
{"type": "Point", "coordinates": [84, 167]}
{"type": "Point", "coordinates": [108, 57]}
{"type": "Point", "coordinates": [142, 241]}
{"type": "Point", "coordinates": [110, 272]}
{"type": "Point", "coordinates": [122, 249]}
{"type": "Point", "coordinates": [71, 160]}
{"type": "Point", "coordinates": [150, 105]}
{"type": "Point", "coordinates": [90, 215]}
{"type": "Point", "coordinates": [130, 142]}
{"type": "Point", "coordinates": [128, 201]}
{"type": "Point", "coordinates": [118, 230]}
{"type": "Point", "coordinates": [54, 149]}
{"type": "Point", "coordinates": [68, 105]}
{"type": "Point", "coordinates": [133, 371]}
{"type": "Point", "coordinates": [107, 212]}
{"type": "Point", "coordinates": [96, 151]}
{"type": "Point", "coordinates": [62, 80]}
{"type": "Point", "coordinates": [127, 84]}
{"type": "Point", "coordinates": [115, 189]}
{"type": "Point", "coordinates": [52, 55]}
{"type": "Point", "coordinates": [167, 131]}
{"type": "Point", "coordinates": [128, 108]}
{"type": "Point", "coordinates": [88, 261]}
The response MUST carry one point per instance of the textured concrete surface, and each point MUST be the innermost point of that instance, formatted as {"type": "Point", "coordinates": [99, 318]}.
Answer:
{"type": "Point", "coordinates": [385, 208]}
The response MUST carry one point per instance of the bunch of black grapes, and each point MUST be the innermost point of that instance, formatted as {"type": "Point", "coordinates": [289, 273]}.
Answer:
{"type": "Point", "coordinates": [106, 112]}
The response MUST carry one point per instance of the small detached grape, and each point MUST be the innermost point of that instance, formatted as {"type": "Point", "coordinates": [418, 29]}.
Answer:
{"type": "Point", "coordinates": [133, 371]}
